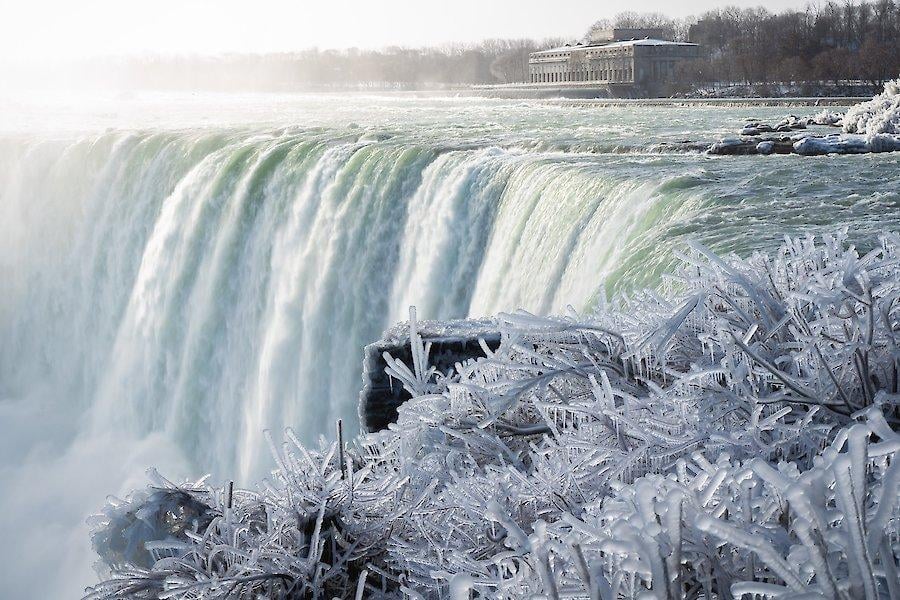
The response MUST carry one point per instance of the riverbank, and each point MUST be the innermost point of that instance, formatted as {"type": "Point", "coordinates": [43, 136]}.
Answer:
{"type": "Point", "coordinates": [619, 94]}
{"type": "Point", "coordinates": [720, 102]}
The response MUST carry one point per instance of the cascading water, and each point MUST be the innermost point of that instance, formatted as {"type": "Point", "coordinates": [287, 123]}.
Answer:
{"type": "Point", "coordinates": [181, 293]}
{"type": "Point", "coordinates": [210, 288]}
{"type": "Point", "coordinates": [168, 295]}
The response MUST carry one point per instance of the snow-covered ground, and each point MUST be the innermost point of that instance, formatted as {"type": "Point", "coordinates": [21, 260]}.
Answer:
{"type": "Point", "coordinates": [783, 90]}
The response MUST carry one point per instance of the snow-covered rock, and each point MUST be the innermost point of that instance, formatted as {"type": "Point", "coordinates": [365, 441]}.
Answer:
{"type": "Point", "coordinates": [448, 343]}
{"type": "Point", "coordinates": [790, 123]}
{"type": "Point", "coordinates": [726, 143]}
{"type": "Point", "coordinates": [847, 143]}
{"type": "Point", "coordinates": [832, 144]}
{"type": "Point", "coordinates": [766, 147]}
{"type": "Point", "coordinates": [884, 142]}
{"type": "Point", "coordinates": [828, 118]}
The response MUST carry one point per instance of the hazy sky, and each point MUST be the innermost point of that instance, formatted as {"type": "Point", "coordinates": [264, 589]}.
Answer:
{"type": "Point", "coordinates": [42, 29]}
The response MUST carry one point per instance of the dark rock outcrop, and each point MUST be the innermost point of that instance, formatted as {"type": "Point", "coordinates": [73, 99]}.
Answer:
{"type": "Point", "coordinates": [154, 516]}
{"type": "Point", "coordinates": [451, 342]}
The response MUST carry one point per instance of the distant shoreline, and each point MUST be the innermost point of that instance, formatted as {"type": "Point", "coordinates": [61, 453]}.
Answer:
{"type": "Point", "coordinates": [726, 102]}
{"type": "Point", "coordinates": [557, 95]}
{"type": "Point", "coordinates": [589, 97]}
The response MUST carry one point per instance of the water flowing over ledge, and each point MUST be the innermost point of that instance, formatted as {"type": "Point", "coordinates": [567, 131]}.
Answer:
{"type": "Point", "coordinates": [219, 295]}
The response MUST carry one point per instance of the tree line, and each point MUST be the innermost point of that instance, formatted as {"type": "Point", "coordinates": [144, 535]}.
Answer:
{"type": "Point", "coordinates": [488, 62]}
{"type": "Point", "coordinates": [831, 42]}
{"type": "Point", "coordinates": [824, 42]}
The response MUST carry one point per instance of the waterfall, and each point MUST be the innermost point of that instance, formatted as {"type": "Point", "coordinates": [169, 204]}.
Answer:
{"type": "Point", "coordinates": [211, 287]}
{"type": "Point", "coordinates": [169, 296]}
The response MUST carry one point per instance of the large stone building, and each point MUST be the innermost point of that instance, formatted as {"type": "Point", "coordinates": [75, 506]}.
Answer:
{"type": "Point", "coordinates": [636, 61]}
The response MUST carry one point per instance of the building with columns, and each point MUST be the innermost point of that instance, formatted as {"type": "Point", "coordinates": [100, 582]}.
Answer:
{"type": "Point", "coordinates": [633, 59]}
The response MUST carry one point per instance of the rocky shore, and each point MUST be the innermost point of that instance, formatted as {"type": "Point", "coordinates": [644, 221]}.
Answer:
{"type": "Point", "coordinates": [868, 127]}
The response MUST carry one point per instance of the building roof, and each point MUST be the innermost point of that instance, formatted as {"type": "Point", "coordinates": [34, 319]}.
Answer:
{"type": "Point", "coordinates": [645, 42]}
{"type": "Point", "coordinates": [620, 44]}
{"type": "Point", "coordinates": [618, 34]}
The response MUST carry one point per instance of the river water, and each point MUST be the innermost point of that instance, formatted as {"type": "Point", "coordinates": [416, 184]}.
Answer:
{"type": "Point", "coordinates": [181, 272]}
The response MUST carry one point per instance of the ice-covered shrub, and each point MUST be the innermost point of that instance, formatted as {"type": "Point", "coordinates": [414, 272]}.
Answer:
{"type": "Point", "coordinates": [307, 533]}
{"type": "Point", "coordinates": [734, 528]}
{"type": "Point", "coordinates": [651, 449]}
{"type": "Point", "coordinates": [879, 115]}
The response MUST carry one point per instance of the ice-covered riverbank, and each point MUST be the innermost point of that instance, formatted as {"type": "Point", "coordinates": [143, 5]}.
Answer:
{"type": "Point", "coordinates": [735, 432]}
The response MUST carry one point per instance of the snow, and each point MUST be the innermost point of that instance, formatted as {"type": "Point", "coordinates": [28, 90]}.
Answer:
{"type": "Point", "coordinates": [645, 42]}
{"type": "Point", "coordinates": [828, 118]}
{"type": "Point", "coordinates": [881, 115]}
{"type": "Point", "coordinates": [619, 44]}
{"type": "Point", "coordinates": [735, 429]}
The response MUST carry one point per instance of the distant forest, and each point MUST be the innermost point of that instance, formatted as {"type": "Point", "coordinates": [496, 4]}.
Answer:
{"type": "Point", "coordinates": [831, 42]}
{"type": "Point", "coordinates": [827, 42]}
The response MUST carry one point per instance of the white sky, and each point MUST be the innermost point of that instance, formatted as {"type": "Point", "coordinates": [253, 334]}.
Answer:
{"type": "Point", "coordinates": [46, 29]}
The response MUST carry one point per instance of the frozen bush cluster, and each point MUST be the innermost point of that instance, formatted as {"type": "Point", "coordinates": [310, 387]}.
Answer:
{"type": "Point", "coordinates": [730, 435]}
{"type": "Point", "coordinates": [737, 528]}
{"type": "Point", "coordinates": [881, 115]}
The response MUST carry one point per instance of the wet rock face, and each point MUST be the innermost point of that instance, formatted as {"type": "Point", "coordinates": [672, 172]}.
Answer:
{"type": "Point", "coordinates": [742, 147]}
{"type": "Point", "coordinates": [451, 342]}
